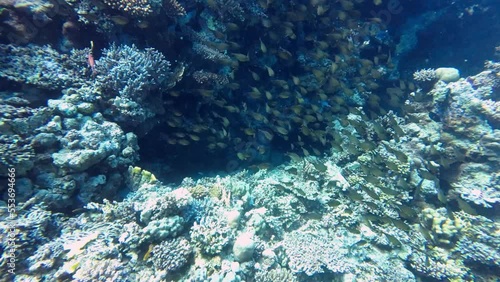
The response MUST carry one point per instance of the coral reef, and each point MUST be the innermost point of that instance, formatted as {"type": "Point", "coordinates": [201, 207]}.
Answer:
{"type": "Point", "coordinates": [130, 87]}
{"type": "Point", "coordinates": [310, 156]}
{"type": "Point", "coordinates": [279, 275]}
{"type": "Point", "coordinates": [211, 235]}
{"type": "Point", "coordinates": [22, 21]}
{"type": "Point", "coordinates": [83, 147]}
{"type": "Point", "coordinates": [137, 8]}
{"type": "Point", "coordinates": [171, 255]}
{"type": "Point", "coordinates": [310, 253]}
{"type": "Point", "coordinates": [443, 229]}
{"type": "Point", "coordinates": [46, 68]}
{"type": "Point", "coordinates": [16, 152]}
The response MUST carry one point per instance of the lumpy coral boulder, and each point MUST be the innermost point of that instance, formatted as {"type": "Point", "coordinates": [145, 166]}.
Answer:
{"type": "Point", "coordinates": [91, 144]}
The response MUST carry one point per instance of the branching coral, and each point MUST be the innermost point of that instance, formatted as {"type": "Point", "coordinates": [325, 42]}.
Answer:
{"type": "Point", "coordinates": [127, 76]}
{"type": "Point", "coordinates": [425, 75]}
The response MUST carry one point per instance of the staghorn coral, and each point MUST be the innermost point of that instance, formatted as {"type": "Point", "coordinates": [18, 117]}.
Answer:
{"type": "Point", "coordinates": [197, 209]}
{"type": "Point", "coordinates": [127, 66]}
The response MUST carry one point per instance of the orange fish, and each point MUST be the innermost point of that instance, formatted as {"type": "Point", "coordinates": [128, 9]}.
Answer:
{"type": "Point", "coordinates": [90, 59]}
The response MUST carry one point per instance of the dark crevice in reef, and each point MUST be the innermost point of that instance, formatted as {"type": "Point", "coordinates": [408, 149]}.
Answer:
{"type": "Point", "coordinates": [461, 35]}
